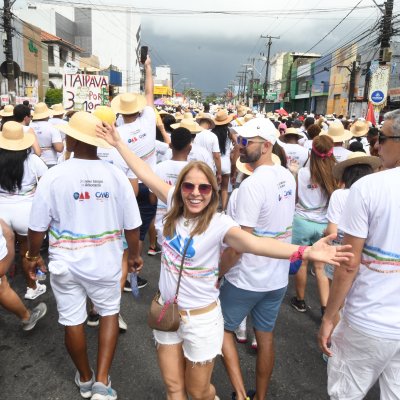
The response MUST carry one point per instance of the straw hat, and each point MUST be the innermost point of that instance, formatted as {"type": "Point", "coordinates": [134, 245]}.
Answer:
{"type": "Point", "coordinates": [82, 127]}
{"type": "Point", "coordinates": [337, 132]}
{"type": "Point", "coordinates": [222, 117]}
{"type": "Point", "coordinates": [241, 111]}
{"type": "Point", "coordinates": [41, 111]}
{"type": "Point", "coordinates": [358, 157]}
{"type": "Point", "coordinates": [292, 131]}
{"type": "Point", "coordinates": [359, 128]}
{"type": "Point", "coordinates": [128, 103]}
{"type": "Point", "coordinates": [207, 117]}
{"type": "Point", "coordinates": [188, 123]}
{"type": "Point", "coordinates": [248, 170]}
{"type": "Point", "coordinates": [7, 111]}
{"type": "Point", "coordinates": [248, 117]}
{"type": "Point", "coordinates": [105, 114]}
{"type": "Point", "coordinates": [58, 109]}
{"type": "Point", "coordinates": [12, 137]}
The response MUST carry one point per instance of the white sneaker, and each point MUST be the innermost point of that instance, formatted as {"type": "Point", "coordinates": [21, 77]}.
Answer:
{"type": "Point", "coordinates": [254, 343]}
{"type": "Point", "coordinates": [241, 335]}
{"type": "Point", "coordinates": [34, 293]}
{"type": "Point", "coordinates": [123, 326]}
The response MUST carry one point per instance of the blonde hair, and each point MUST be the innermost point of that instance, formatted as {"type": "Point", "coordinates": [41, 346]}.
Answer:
{"type": "Point", "coordinates": [177, 206]}
{"type": "Point", "coordinates": [321, 167]}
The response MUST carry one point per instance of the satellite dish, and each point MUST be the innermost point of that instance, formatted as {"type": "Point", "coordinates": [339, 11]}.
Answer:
{"type": "Point", "coordinates": [3, 69]}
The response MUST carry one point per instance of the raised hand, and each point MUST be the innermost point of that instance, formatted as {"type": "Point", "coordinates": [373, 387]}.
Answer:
{"type": "Point", "coordinates": [108, 132]}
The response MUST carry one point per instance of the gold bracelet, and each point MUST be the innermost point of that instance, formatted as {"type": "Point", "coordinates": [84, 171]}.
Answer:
{"type": "Point", "coordinates": [30, 258]}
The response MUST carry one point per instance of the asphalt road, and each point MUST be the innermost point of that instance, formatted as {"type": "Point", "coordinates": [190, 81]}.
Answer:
{"type": "Point", "coordinates": [35, 365]}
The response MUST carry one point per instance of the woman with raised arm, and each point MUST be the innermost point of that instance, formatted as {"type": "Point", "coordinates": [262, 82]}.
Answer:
{"type": "Point", "coordinates": [186, 357]}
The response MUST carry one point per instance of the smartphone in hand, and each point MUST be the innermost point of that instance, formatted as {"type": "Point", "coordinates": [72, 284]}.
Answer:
{"type": "Point", "coordinates": [143, 53]}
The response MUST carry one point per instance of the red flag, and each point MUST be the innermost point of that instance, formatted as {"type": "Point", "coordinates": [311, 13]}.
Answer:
{"type": "Point", "coordinates": [370, 114]}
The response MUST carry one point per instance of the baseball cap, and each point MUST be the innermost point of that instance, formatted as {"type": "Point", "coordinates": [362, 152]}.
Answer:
{"type": "Point", "coordinates": [262, 127]}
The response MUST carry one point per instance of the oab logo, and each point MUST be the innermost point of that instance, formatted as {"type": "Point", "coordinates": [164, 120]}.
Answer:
{"type": "Point", "coordinates": [81, 196]}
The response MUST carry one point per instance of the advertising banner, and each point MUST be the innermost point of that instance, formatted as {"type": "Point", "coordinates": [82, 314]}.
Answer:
{"type": "Point", "coordinates": [84, 92]}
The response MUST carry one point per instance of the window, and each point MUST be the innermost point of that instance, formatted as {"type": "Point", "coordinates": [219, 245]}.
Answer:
{"type": "Point", "coordinates": [50, 52]}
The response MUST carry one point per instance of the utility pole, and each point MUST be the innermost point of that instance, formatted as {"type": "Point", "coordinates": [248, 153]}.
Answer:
{"type": "Point", "coordinates": [252, 84]}
{"type": "Point", "coordinates": [267, 66]}
{"type": "Point", "coordinates": [387, 30]}
{"type": "Point", "coordinates": [7, 19]}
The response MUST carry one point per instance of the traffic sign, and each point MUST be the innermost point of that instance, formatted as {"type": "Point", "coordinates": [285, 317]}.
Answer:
{"type": "Point", "coordinates": [377, 96]}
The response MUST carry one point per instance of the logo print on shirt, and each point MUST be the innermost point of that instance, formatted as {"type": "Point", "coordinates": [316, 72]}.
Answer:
{"type": "Point", "coordinates": [81, 196]}
{"type": "Point", "coordinates": [179, 245]}
{"type": "Point", "coordinates": [312, 186]}
{"type": "Point", "coordinates": [102, 195]}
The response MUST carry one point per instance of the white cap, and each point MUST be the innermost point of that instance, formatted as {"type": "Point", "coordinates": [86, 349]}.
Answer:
{"type": "Point", "coordinates": [262, 127]}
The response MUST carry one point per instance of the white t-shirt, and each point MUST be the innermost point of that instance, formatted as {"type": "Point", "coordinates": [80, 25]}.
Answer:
{"type": "Point", "coordinates": [200, 270]}
{"type": "Point", "coordinates": [197, 153]}
{"type": "Point", "coordinates": [341, 153]}
{"type": "Point", "coordinates": [59, 121]}
{"type": "Point", "coordinates": [34, 168]}
{"type": "Point", "coordinates": [372, 212]}
{"type": "Point", "coordinates": [294, 152]}
{"type": "Point", "coordinates": [208, 140]}
{"type": "Point", "coordinates": [47, 135]}
{"type": "Point", "coordinates": [113, 157]}
{"type": "Point", "coordinates": [232, 203]}
{"type": "Point", "coordinates": [85, 204]}
{"type": "Point", "coordinates": [312, 202]}
{"type": "Point", "coordinates": [3, 245]}
{"type": "Point", "coordinates": [140, 136]}
{"type": "Point", "coordinates": [336, 206]}
{"type": "Point", "coordinates": [161, 151]}
{"type": "Point", "coordinates": [168, 171]}
{"type": "Point", "coordinates": [265, 202]}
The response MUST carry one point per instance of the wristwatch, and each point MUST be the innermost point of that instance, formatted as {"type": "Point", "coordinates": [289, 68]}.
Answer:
{"type": "Point", "coordinates": [31, 258]}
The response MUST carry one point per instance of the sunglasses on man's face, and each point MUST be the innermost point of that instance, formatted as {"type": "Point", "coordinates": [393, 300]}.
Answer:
{"type": "Point", "coordinates": [245, 142]}
{"type": "Point", "coordinates": [203, 188]}
{"type": "Point", "coordinates": [382, 138]}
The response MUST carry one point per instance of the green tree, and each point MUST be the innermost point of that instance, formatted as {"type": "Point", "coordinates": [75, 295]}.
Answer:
{"type": "Point", "coordinates": [212, 98]}
{"type": "Point", "coordinates": [53, 96]}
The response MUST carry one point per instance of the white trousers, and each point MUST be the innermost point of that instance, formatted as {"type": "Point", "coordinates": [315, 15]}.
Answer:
{"type": "Point", "coordinates": [358, 361]}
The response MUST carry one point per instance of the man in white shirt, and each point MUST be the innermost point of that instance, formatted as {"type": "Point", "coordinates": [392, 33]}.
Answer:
{"type": "Point", "coordinates": [295, 153]}
{"type": "Point", "coordinates": [209, 141]}
{"type": "Point", "coordinates": [365, 346]}
{"type": "Point", "coordinates": [339, 135]}
{"type": "Point", "coordinates": [256, 285]}
{"type": "Point", "coordinates": [49, 137]}
{"type": "Point", "coordinates": [8, 298]}
{"type": "Point", "coordinates": [139, 132]}
{"type": "Point", "coordinates": [169, 170]}
{"type": "Point", "coordinates": [86, 203]}
{"type": "Point", "coordinates": [22, 114]}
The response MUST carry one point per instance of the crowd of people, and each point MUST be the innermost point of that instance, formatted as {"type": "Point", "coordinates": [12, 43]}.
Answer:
{"type": "Point", "coordinates": [234, 201]}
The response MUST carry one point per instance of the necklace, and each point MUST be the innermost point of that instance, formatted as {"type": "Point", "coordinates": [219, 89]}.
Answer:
{"type": "Point", "coordinates": [188, 221]}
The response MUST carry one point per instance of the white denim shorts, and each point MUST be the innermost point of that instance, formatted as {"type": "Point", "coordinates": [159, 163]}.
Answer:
{"type": "Point", "coordinates": [71, 294]}
{"type": "Point", "coordinates": [201, 336]}
{"type": "Point", "coordinates": [360, 360]}
{"type": "Point", "coordinates": [17, 216]}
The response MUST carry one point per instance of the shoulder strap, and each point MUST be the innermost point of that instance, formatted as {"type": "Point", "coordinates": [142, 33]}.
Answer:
{"type": "Point", "coordinates": [181, 268]}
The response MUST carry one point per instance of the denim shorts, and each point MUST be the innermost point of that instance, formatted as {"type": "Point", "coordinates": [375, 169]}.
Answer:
{"type": "Point", "coordinates": [262, 306]}
{"type": "Point", "coordinates": [305, 232]}
{"type": "Point", "coordinates": [146, 209]}
{"type": "Point", "coordinates": [71, 293]}
{"type": "Point", "coordinates": [201, 336]}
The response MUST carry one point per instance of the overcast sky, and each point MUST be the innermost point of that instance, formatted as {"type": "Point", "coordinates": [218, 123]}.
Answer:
{"type": "Point", "coordinates": [208, 50]}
